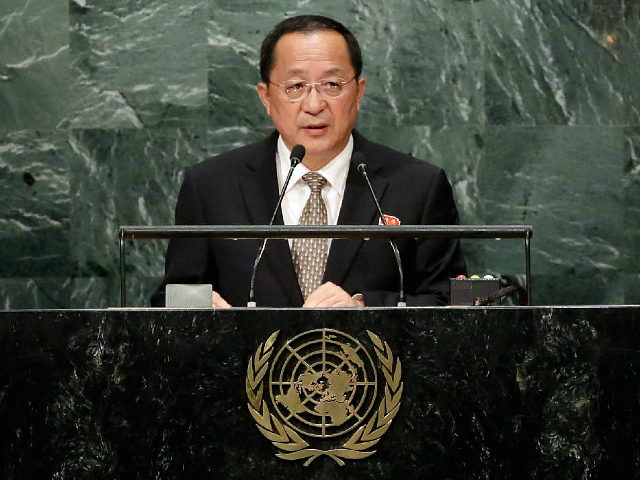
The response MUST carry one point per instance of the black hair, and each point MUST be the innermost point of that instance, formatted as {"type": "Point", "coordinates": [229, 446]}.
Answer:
{"type": "Point", "coordinates": [306, 24]}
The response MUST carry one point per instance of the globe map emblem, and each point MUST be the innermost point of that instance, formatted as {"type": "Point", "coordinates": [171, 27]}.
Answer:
{"type": "Point", "coordinates": [323, 383]}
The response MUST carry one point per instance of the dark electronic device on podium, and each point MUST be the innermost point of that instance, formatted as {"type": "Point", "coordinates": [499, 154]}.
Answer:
{"type": "Point", "coordinates": [483, 291]}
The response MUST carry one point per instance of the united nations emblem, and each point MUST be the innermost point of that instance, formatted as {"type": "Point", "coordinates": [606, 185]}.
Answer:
{"type": "Point", "coordinates": [322, 387]}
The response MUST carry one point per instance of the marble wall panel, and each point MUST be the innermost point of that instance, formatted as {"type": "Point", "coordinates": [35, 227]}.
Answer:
{"type": "Point", "coordinates": [565, 62]}
{"type": "Point", "coordinates": [567, 182]}
{"type": "Point", "coordinates": [631, 286]}
{"type": "Point", "coordinates": [34, 193]}
{"type": "Point", "coordinates": [234, 37]}
{"type": "Point", "coordinates": [34, 63]}
{"type": "Point", "coordinates": [50, 292]}
{"type": "Point", "coordinates": [631, 199]}
{"type": "Point", "coordinates": [138, 63]}
{"type": "Point", "coordinates": [224, 139]}
{"type": "Point", "coordinates": [126, 177]}
{"type": "Point", "coordinates": [104, 292]}
{"type": "Point", "coordinates": [424, 64]}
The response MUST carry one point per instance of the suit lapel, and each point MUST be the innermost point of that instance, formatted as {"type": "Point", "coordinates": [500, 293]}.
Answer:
{"type": "Point", "coordinates": [260, 193]}
{"type": "Point", "coordinates": [358, 208]}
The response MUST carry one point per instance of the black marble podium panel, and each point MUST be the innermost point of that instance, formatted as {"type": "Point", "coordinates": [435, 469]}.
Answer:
{"type": "Point", "coordinates": [488, 393]}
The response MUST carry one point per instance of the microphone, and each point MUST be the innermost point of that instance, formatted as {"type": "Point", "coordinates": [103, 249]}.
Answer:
{"type": "Point", "coordinates": [297, 154]}
{"type": "Point", "coordinates": [358, 159]}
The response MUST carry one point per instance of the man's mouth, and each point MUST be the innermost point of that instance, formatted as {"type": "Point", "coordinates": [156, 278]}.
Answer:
{"type": "Point", "coordinates": [316, 129]}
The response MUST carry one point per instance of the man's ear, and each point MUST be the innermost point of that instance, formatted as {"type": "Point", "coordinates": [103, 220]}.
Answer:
{"type": "Point", "coordinates": [263, 93]}
{"type": "Point", "coordinates": [362, 87]}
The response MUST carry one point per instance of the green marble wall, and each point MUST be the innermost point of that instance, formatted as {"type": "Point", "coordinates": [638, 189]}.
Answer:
{"type": "Point", "coordinates": [531, 106]}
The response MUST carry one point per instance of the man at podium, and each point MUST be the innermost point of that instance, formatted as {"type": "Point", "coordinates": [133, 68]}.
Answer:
{"type": "Point", "coordinates": [311, 88]}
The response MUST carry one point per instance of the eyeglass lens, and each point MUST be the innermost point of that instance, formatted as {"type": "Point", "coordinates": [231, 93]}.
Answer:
{"type": "Point", "coordinates": [326, 88]}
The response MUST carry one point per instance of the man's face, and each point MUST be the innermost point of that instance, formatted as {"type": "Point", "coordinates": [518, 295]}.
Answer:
{"type": "Point", "coordinates": [322, 125]}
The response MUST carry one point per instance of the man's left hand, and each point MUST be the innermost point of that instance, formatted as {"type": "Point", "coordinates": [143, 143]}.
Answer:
{"type": "Point", "coordinates": [331, 295]}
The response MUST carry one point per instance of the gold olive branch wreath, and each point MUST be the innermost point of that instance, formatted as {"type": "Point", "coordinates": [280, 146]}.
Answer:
{"type": "Point", "coordinates": [287, 440]}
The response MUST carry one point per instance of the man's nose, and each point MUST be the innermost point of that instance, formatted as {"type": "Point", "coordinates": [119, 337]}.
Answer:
{"type": "Point", "coordinates": [314, 102]}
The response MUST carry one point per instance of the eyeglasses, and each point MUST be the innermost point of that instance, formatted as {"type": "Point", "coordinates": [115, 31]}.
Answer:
{"type": "Point", "coordinates": [329, 88]}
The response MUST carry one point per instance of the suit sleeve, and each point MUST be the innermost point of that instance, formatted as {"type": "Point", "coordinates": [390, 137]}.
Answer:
{"type": "Point", "coordinates": [188, 260]}
{"type": "Point", "coordinates": [429, 263]}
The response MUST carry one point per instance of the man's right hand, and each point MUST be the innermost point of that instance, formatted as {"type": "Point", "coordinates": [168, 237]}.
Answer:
{"type": "Point", "coordinates": [218, 302]}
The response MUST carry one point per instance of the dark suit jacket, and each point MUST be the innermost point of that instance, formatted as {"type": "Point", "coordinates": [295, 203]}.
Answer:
{"type": "Point", "coordinates": [240, 187]}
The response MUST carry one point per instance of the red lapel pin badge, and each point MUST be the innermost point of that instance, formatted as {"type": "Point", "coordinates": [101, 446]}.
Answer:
{"type": "Point", "coordinates": [390, 219]}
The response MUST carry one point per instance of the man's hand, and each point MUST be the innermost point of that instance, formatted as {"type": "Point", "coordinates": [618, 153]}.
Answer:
{"type": "Point", "coordinates": [218, 302]}
{"type": "Point", "coordinates": [331, 295]}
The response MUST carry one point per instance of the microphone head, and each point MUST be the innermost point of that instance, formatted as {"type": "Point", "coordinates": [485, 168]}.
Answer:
{"type": "Point", "coordinates": [358, 160]}
{"type": "Point", "coordinates": [297, 154]}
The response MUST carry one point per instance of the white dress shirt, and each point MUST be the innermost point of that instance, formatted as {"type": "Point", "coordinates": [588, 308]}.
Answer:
{"type": "Point", "coordinates": [298, 192]}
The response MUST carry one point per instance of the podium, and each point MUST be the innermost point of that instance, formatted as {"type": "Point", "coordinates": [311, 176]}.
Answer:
{"type": "Point", "coordinates": [347, 232]}
{"type": "Point", "coordinates": [494, 392]}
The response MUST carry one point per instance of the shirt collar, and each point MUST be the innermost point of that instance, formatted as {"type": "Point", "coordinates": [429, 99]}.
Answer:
{"type": "Point", "coordinates": [335, 171]}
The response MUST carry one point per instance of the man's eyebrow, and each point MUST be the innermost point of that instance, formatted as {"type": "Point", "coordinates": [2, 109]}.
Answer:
{"type": "Point", "coordinates": [299, 71]}
{"type": "Point", "coordinates": [296, 71]}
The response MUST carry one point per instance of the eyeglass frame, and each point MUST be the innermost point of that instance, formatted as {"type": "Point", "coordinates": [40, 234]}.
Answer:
{"type": "Point", "coordinates": [315, 85]}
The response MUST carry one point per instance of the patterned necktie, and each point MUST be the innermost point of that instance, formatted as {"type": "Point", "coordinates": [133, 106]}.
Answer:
{"type": "Point", "coordinates": [310, 254]}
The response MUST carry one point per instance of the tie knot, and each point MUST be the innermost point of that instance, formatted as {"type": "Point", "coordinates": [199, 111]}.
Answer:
{"type": "Point", "coordinates": [315, 181]}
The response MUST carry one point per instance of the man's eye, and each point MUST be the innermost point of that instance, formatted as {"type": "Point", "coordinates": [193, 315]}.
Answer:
{"type": "Point", "coordinates": [296, 87]}
{"type": "Point", "coordinates": [330, 85]}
